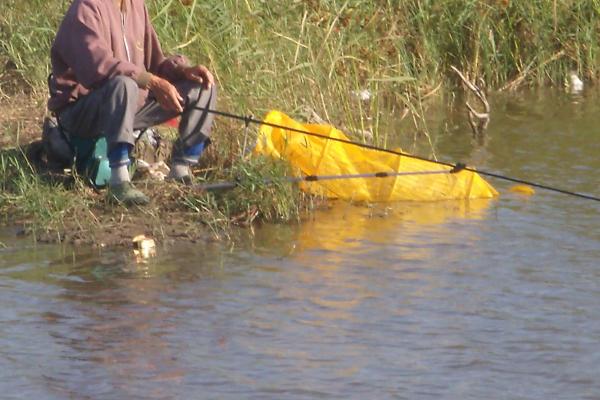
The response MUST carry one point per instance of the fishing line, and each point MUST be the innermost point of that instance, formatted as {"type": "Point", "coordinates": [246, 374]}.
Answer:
{"type": "Point", "coordinates": [456, 167]}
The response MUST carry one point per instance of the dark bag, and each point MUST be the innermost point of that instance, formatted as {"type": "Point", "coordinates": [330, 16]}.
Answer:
{"type": "Point", "coordinates": [57, 147]}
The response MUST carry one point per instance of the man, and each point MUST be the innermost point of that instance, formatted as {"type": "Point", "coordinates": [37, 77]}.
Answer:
{"type": "Point", "coordinates": [110, 77]}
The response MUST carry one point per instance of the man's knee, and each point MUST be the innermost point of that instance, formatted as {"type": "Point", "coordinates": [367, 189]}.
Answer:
{"type": "Point", "coordinates": [213, 92]}
{"type": "Point", "coordinates": [123, 85]}
{"type": "Point", "coordinates": [198, 94]}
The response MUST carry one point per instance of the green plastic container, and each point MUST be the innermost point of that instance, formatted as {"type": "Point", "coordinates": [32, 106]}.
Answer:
{"type": "Point", "coordinates": [92, 160]}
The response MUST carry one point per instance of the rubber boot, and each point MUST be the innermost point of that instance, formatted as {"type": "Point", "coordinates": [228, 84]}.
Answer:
{"type": "Point", "coordinates": [126, 194]}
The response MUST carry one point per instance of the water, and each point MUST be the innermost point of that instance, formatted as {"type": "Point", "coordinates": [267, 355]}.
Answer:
{"type": "Point", "coordinates": [486, 299]}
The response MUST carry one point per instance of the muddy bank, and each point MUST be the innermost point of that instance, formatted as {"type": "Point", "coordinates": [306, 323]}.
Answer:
{"type": "Point", "coordinates": [106, 224]}
{"type": "Point", "coordinates": [169, 217]}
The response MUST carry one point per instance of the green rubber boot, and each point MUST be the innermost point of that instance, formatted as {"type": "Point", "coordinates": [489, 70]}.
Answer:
{"type": "Point", "coordinates": [127, 194]}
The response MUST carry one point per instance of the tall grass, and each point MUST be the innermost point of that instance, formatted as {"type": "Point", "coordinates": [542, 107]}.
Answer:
{"type": "Point", "coordinates": [311, 55]}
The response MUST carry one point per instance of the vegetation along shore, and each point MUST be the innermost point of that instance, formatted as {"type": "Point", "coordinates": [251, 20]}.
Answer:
{"type": "Point", "coordinates": [355, 64]}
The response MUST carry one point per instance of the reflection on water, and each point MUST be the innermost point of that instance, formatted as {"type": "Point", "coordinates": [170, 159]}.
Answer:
{"type": "Point", "coordinates": [456, 300]}
{"type": "Point", "coordinates": [336, 228]}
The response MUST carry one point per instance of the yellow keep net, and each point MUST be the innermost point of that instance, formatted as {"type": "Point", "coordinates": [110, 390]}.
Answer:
{"type": "Point", "coordinates": [309, 155]}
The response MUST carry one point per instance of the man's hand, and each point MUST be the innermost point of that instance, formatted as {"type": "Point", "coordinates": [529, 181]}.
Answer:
{"type": "Point", "coordinates": [199, 74]}
{"type": "Point", "coordinates": [166, 94]}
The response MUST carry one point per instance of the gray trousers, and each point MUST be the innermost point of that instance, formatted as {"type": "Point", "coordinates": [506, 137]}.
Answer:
{"type": "Point", "coordinates": [112, 111]}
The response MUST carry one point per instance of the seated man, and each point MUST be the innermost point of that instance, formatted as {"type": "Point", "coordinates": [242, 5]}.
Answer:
{"type": "Point", "coordinates": [110, 77]}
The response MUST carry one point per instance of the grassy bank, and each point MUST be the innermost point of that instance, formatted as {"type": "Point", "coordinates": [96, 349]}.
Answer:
{"type": "Point", "coordinates": [55, 208]}
{"type": "Point", "coordinates": [307, 58]}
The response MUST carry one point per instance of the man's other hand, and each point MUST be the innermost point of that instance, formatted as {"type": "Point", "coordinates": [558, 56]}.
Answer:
{"type": "Point", "coordinates": [166, 94]}
{"type": "Point", "coordinates": [199, 74]}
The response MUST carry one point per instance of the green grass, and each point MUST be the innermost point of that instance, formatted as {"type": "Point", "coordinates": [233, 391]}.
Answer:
{"type": "Point", "coordinates": [262, 191]}
{"type": "Point", "coordinates": [262, 184]}
{"type": "Point", "coordinates": [40, 205]}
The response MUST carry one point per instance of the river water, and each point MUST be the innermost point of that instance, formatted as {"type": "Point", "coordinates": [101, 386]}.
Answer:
{"type": "Point", "coordinates": [458, 300]}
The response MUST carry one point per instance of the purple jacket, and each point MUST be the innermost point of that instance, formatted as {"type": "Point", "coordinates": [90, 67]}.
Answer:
{"type": "Point", "coordinates": [97, 41]}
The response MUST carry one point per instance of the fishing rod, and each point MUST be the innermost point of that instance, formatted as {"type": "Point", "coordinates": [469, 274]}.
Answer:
{"type": "Point", "coordinates": [456, 167]}
{"type": "Point", "coordinates": [317, 178]}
